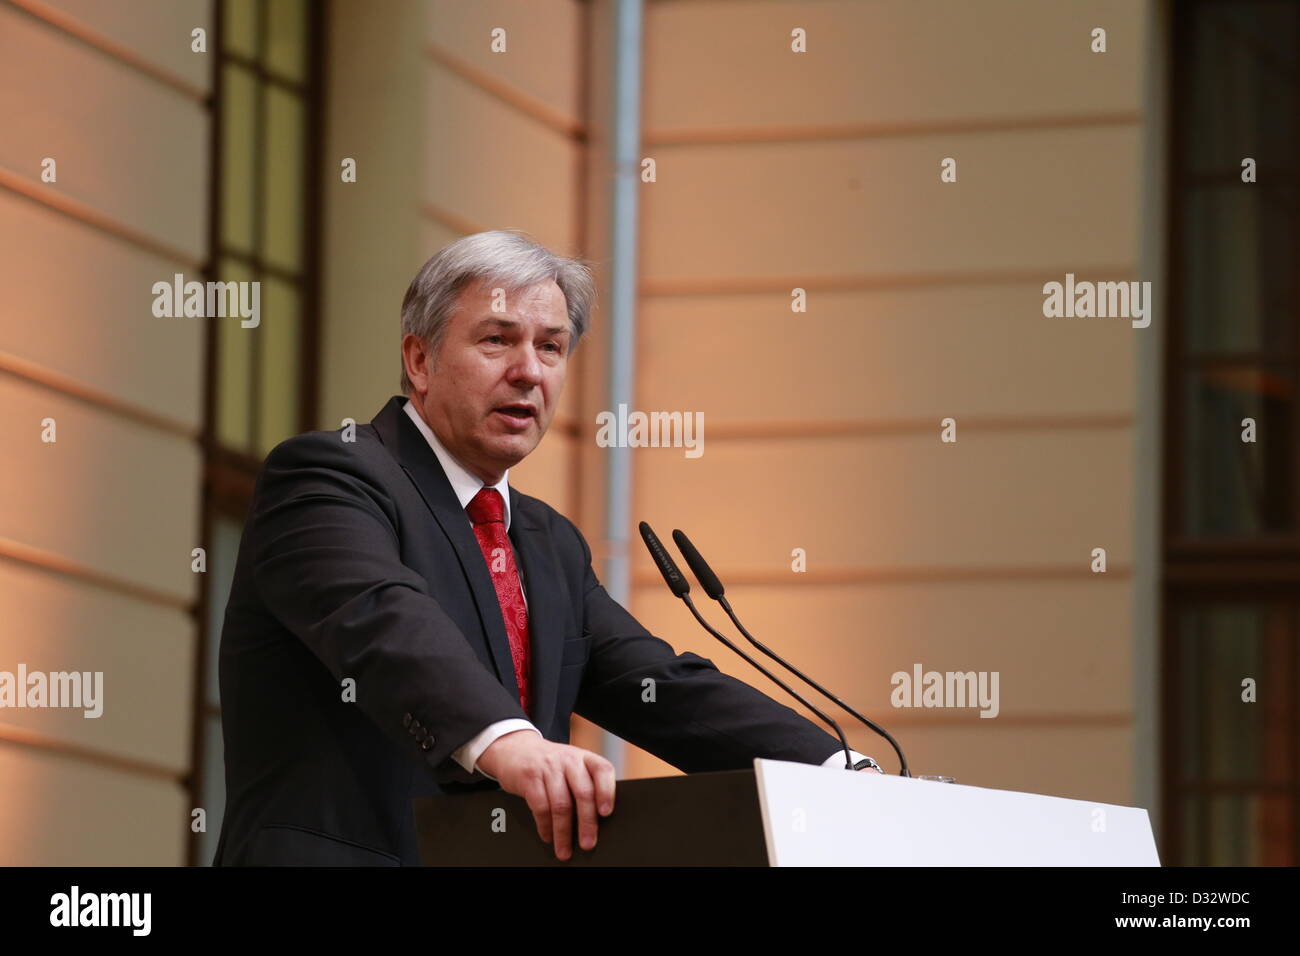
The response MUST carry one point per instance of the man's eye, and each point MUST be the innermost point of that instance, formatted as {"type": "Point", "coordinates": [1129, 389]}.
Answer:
{"type": "Point", "coordinates": [552, 346]}
{"type": "Point", "coordinates": [494, 338]}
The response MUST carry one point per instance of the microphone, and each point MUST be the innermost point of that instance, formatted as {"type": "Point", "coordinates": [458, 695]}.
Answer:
{"type": "Point", "coordinates": [713, 588]}
{"type": "Point", "coordinates": [678, 584]}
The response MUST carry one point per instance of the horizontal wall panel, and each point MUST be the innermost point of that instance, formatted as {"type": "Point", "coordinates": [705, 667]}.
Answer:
{"type": "Point", "coordinates": [156, 32]}
{"type": "Point", "coordinates": [126, 145]}
{"type": "Point", "coordinates": [910, 354]}
{"type": "Point", "coordinates": [61, 811]}
{"type": "Point", "coordinates": [896, 502]}
{"type": "Point", "coordinates": [718, 65]}
{"type": "Point", "coordinates": [1037, 199]}
{"type": "Point", "coordinates": [543, 58]}
{"type": "Point", "coordinates": [1059, 647]}
{"type": "Point", "coordinates": [490, 164]}
{"type": "Point", "coordinates": [116, 496]}
{"type": "Point", "coordinates": [144, 652]}
{"type": "Point", "coordinates": [99, 330]}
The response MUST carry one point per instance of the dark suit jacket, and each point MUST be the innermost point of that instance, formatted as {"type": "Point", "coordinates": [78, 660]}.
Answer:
{"type": "Point", "coordinates": [357, 561]}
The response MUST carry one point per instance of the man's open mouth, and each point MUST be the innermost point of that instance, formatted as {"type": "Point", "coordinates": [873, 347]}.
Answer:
{"type": "Point", "coordinates": [518, 412]}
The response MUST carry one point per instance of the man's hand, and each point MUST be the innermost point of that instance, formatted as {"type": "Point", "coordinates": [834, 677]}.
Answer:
{"type": "Point", "coordinates": [555, 779]}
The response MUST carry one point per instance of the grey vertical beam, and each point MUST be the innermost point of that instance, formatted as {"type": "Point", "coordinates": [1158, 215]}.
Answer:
{"type": "Point", "coordinates": [625, 127]}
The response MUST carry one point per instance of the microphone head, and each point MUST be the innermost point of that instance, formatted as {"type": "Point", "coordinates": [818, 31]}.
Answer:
{"type": "Point", "coordinates": [703, 573]}
{"type": "Point", "coordinates": [676, 582]}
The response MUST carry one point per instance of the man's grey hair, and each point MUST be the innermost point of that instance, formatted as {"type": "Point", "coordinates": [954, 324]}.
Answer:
{"type": "Point", "coordinates": [504, 258]}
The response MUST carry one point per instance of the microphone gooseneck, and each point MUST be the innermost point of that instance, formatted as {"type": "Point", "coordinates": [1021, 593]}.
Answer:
{"type": "Point", "coordinates": [678, 584]}
{"type": "Point", "coordinates": [713, 588]}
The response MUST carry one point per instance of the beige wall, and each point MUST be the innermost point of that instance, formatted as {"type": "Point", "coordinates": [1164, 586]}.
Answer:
{"type": "Point", "coordinates": [372, 227]}
{"type": "Point", "coordinates": [821, 171]}
{"type": "Point", "coordinates": [97, 528]}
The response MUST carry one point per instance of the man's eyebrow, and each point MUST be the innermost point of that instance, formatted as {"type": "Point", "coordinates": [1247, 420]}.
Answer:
{"type": "Point", "coordinates": [512, 323]}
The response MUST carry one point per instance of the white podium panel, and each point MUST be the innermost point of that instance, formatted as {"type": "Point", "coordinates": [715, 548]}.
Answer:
{"type": "Point", "coordinates": [816, 816]}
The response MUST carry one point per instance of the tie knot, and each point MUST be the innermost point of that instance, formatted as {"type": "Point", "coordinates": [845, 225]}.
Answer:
{"type": "Point", "coordinates": [486, 506]}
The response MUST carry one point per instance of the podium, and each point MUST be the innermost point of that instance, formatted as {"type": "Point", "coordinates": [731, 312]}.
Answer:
{"type": "Point", "coordinates": [795, 814]}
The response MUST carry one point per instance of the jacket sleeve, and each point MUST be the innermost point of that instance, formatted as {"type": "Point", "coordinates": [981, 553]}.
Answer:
{"type": "Point", "coordinates": [327, 565]}
{"type": "Point", "coordinates": [680, 707]}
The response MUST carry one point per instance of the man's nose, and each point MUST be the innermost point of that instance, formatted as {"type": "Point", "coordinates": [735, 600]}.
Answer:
{"type": "Point", "coordinates": [526, 367]}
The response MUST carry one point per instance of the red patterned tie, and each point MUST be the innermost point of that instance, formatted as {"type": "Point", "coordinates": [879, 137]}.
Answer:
{"type": "Point", "coordinates": [487, 511]}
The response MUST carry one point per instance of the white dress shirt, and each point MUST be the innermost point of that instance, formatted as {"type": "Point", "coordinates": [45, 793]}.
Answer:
{"type": "Point", "coordinates": [466, 485]}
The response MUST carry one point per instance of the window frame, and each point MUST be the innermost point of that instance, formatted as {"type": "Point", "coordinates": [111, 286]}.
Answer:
{"type": "Point", "coordinates": [229, 475]}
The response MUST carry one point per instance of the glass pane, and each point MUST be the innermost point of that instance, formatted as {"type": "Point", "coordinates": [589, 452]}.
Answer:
{"type": "Point", "coordinates": [1193, 850]}
{"type": "Point", "coordinates": [1191, 727]}
{"type": "Point", "coordinates": [237, 116]}
{"type": "Point", "coordinates": [213, 797]}
{"type": "Point", "coordinates": [1224, 738]}
{"type": "Point", "coordinates": [283, 169]}
{"type": "Point", "coordinates": [1275, 823]}
{"type": "Point", "coordinates": [1249, 830]}
{"type": "Point", "coordinates": [1240, 259]}
{"type": "Point", "coordinates": [239, 27]}
{"type": "Point", "coordinates": [1243, 99]}
{"type": "Point", "coordinates": [1228, 842]}
{"type": "Point", "coordinates": [222, 552]}
{"type": "Point", "coordinates": [280, 338]}
{"type": "Point", "coordinates": [1236, 487]}
{"type": "Point", "coordinates": [286, 42]}
{"type": "Point", "coordinates": [234, 368]}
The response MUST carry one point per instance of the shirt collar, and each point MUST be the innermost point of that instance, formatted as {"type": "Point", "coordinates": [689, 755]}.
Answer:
{"type": "Point", "coordinates": [465, 484]}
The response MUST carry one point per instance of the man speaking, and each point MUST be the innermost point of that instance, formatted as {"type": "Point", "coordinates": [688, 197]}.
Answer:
{"type": "Point", "coordinates": [402, 622]}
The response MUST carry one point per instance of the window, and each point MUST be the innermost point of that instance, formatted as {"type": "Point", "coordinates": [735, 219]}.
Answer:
{"type": "Point", "coordinates": [265, 104]}
{"type": "Point", "coordinates": [1232, 534]}
{"type": "Point", "coordinates": [261, 379]}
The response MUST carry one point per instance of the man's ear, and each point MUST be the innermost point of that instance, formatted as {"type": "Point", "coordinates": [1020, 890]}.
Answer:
{"type": "Point", "coordinates": [417, 360]}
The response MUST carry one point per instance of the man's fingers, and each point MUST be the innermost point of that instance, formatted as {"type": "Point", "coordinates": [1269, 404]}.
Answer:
{"type": "Point", "coordinates": [540, 805]}
{"type": "Point", "coordinates": [559, 782]}
{"type": "Point", "coordinates": [584, 799]}
{"type": "Point", "coordinates": [602, 773]}
{"type": "Point", "coordinates": [557, 792]}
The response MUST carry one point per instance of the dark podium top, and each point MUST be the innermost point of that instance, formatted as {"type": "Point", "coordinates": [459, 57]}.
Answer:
{"type": "Point", "coordinates": [700, 819]}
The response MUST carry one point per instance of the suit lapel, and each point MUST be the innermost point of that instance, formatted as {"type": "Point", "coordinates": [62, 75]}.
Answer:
{"type": "Point", "coordinates": [543, 583]}
{"type": "Point", "coordinates": [425, 471]}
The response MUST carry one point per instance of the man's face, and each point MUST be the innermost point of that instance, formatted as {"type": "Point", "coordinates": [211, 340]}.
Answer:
{"type": "Point", "coordinates": [491, 392]}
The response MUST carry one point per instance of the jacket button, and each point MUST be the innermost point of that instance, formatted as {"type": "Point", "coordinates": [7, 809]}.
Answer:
{"type": "Point", "coordinates": [406, 720]}
{"type": "Point", "coordinates": [427, 744]}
